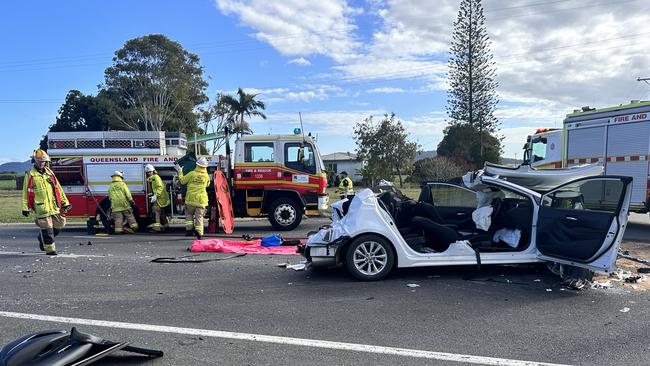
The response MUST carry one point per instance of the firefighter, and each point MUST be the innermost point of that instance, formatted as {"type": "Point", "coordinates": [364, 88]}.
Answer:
{"type": "Point", "coordinates": [42, 193]}
{"type": "Point", "coordinates": [345, 186]}
{"type": "Point", "coordinates": [196, 198]}
{"type": "Point", "coordinates": [159, 199]}
{"type": "Point", "coordinates": [121, 204]}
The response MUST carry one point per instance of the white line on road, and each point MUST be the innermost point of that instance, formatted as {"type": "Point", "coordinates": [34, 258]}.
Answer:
{"type": "Point", "coordinates": [355, 347]}
{"type": "Point", "coordinates": [61, 255]}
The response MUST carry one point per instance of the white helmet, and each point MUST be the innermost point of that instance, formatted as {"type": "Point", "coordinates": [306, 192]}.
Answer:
{"type": "Point", "coordinates": [149, 168]}
{"type": "Point", "coordinates": [118, 173]}
{"type": "Point", "coordinates": [202, 162]}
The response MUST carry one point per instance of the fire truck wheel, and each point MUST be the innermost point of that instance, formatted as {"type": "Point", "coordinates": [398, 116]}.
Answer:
{"type": "Point", "coordinates": [285, 214]}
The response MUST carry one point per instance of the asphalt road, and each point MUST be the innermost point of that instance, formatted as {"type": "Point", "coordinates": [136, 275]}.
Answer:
{"type": "Point", "coordinates": [504, 313]}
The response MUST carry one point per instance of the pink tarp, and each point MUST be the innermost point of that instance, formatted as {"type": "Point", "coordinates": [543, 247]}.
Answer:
{"type": "Point", "coordinates": [231, 246]}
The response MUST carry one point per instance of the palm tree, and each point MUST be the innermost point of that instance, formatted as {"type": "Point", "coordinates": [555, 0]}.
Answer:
{"type": "Point", "coordinates": [244, 105]}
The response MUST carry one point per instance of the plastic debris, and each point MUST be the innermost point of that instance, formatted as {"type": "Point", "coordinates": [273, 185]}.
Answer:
{"type": "Point", "coordinates": [412, 285]}
{"type": "Point", "coordinates": [549, 290]}
{"type": "Point", "coordinates": [624, 310]}
{"type": "Point", "coordinates": [537, 280]}
{"type": "Point", "coordinates": [601, 284]}
{"type": "Point", "coordinates": [297, 267]}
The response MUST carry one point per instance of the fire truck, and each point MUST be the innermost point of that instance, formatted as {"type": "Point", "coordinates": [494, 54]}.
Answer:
{"type": "Point", "coordinates": [617, 137]}
{"type": "Point", "coordinates": [277, 176]}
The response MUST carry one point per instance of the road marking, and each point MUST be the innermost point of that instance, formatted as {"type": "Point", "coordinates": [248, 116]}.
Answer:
{"type": "Point", "coordinates": [91, 237]}
{"type": "Point", "coordinates": [61, 255]}
{"type": "Point", "coordinates": [355, 347]}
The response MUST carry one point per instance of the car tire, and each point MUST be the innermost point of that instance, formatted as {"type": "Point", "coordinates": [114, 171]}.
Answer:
{"type": "Point", "coordinates": [369, 258]}
{"type": "Point", "coordinates": [285, 214]}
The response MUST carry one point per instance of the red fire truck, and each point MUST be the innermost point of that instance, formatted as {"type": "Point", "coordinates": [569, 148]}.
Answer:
{"type": "Point", "coordinates": [279, 176]}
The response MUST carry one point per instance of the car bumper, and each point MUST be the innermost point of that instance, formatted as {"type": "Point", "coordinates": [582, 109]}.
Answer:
{"type": "Point", "coordinates": [323, 255]}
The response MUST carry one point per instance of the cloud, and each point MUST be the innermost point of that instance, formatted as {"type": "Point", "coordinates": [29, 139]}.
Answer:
{"type": "Point", "coordinates": [386, 90]}
{"type": "Point", "coordinates": [300, 61]}
{"type": "Point", "coordinates": [299, 27]}
{"type": "Point", "coordinates": [306, 94]}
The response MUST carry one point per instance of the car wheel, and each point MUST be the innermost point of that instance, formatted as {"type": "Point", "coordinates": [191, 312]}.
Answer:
{"type": "Point", "coordinates": [285, 214]}
{"type": "Point", "coordinates": [369, 258]}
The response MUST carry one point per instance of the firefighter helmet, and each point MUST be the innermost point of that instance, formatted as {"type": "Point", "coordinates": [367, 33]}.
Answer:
{"type": "Point", "coordinates": [149, 168]}
{"type": "Point", "coordinates": [118, 174]}
{"type": "Point", "coordinates": [40, 155]}
{"type": "Point", "coordinates": [202, 162]}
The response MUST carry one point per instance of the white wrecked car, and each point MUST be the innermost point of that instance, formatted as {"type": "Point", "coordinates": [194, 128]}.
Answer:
{"type": "Point", "coordinates": [580, 223]}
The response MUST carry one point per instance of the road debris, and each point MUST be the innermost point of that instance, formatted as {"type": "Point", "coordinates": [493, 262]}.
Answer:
{"type": "Point", "coordinates": [412, 285]}
{"type": "Point", "coordinates": [624, 310]}
{"type": "Point", "coordinates": [601, 284]}
{"type": "Point", "coordinates": [192, 259]}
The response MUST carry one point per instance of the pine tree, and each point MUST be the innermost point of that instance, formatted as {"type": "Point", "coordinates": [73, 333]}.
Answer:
{"type": "Point", "coordinates": [472, 97]}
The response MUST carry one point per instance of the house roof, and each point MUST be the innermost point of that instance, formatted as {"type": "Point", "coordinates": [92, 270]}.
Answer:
{"type": "Point", "coordinates": [340, 156]}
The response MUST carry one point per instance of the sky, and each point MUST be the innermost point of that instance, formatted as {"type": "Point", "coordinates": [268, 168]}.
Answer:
{"type": "Point", "coordinates": [336, 62]}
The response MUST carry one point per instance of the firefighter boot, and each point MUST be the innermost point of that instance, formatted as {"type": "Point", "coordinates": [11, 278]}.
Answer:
{"type": "Point", "coordinates": [50, 249]}
{"type": "Point", "coordinates": [40, 242]}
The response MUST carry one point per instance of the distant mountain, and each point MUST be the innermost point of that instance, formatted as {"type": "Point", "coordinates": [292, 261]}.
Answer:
{"type": "Point", "coordinates": [426, 154]}
{"type": "Point", "coordinates": [15, 167]}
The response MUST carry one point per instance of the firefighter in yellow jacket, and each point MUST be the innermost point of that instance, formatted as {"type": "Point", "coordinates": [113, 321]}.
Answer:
{"type": "Point", "coordinates": [346, 189]}
{"type": "Point", "coordinates": [196, 198]}
{"type": "Point", "coordinates": [159, 198]}
{"type": "Point", "coordinates": [121, 204]}
{"type": "Point", "coordinates": [42, 193]}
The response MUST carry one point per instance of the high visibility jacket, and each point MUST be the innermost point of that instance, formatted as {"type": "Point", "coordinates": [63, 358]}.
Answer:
{"type": "Point", "coordinates": [197, 181]}
{"type": "Point", "coordinates": [42, 193]}
{"type": "Point", "coordinates": [158, 188]}
{"type": "Point", "coordinates": [345, 187]}
{"type": "Point", "coordinates": [119, 195]}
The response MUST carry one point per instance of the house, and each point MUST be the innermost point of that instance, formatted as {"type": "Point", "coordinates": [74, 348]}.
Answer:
{"type": "Point", "coordinates": [344, 161]}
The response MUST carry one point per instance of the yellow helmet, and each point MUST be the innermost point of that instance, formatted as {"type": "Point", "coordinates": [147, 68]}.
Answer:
{"type": "Point", "coordinates": [40, 155]}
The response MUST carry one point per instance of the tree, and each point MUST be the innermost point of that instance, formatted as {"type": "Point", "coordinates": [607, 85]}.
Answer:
{"type": "Point", "coordinates": [215, 118]}
{"type": "Point", "coordinates": [155, 84]}
{"type": "Point", "coordinates": [244, 104]}
{"type": "Point", "coordinates": [459, 141]}
{"type": "Point", "coordinates": [385, 148]}
{"type": "Point", "coordinates": [472, 98]}
{"type": "Point", "coordinates": [440, 168]}
{"type": "Point", "coordinates": [82, 112]}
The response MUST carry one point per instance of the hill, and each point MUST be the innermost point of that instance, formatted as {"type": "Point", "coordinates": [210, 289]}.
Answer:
{"type": "Point", "coordinates": [16, 167]}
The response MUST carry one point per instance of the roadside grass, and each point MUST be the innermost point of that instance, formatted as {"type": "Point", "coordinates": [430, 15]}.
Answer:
{"type": "Point", "coordinates": [7, 185]}
{"type": "Point", "coordinates": [10, 207]}
{"type": "Point", "coordinates": [11, 210]}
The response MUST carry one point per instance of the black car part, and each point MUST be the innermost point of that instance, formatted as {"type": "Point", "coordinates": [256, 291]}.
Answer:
{"type": "Point", "coordinates": [63, 348]}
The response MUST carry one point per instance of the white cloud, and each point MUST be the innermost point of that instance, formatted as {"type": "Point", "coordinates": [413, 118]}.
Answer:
{"type": "Point", "coordinates": [300, 61]}
{"type": "Point", "coordinates": [299, 27]}
{"type": "Point", "coordinates": [306, 94]}
{"type": "Point", "coordinates": [386, 90]}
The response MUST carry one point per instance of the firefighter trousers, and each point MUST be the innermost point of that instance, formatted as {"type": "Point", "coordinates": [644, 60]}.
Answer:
{"type": "Point", "coordinates": [194, 218]}
{"type": "Point", "coordinates": [120, 216]}
{"type": "Point", "coordinates": [160, 217]}
{"type": "Point", "coordinates": [50, 227]}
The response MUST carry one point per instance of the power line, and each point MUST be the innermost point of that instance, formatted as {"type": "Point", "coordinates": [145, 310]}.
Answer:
{"type": "Point", "coordinates": [561, 10]}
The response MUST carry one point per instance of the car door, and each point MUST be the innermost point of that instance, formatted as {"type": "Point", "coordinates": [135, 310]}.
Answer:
{"type": "Point", "coordinates": [455, 204]}
{"type": "Point", "coordinates": [582, 222]}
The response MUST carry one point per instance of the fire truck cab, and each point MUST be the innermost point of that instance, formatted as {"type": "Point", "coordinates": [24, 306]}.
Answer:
{"type": "Point", "coordinates": [281, 176]}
